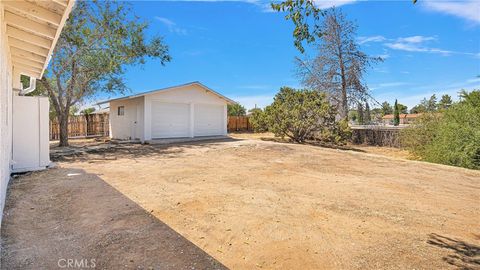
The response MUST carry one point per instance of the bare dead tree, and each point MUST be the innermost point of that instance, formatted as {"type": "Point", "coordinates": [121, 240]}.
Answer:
{"type": "Point", "coordinates": [339, 67]}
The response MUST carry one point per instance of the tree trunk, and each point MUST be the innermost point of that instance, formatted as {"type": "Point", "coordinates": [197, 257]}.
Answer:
{"type": "Point", "coordinates": [63, 122]}
{"type": "Point", "coordinates": [344, 102]}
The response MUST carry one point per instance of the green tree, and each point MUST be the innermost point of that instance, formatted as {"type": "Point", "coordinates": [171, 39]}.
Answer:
{"type": "Point", "coordinates": [353, 115]}
{"type": "Point", "coordinates": [445, 102]}
{"type": "Point", "coordinates": [87, 111]}
{"type": "Point", "coordinates": [451, 138]}
{"type": "Point", "coordinates": [236, 110]}
{"type": "Point", "coordinates": [368, 116]}
{"type": "Point", "coordinates": [305, 17]}
{"type": "Point", "coordinates": [432, 104]}
{"type": "Point", "coordinates": [426, 105]}
{"type": "Point", "coordinates": [258, 120]}
{"type": "Point", "coordinates": [299, 114]}
{"type": "Point", "coordinates": [360, 114]}
{"type": "Point", "coordinates": [396, 114]}
{"type": "Point", "coordinates": [419, 108]}
{"type": "Point", "coordinates": [472, 98]}
{"type": "Point", "coordinates": [402, 108]}
{"type": "Point", "coordinates": [386, 108]}
{"type": "Point", "coordinates": [99, 39]}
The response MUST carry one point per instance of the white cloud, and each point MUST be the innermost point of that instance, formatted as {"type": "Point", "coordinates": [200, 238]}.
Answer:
{"type": "Point", "coordinates": [171, 26]}
{"type": "Point", "coordinates": [362, 40]}
{"type": "Point", "coordinates": [419, 44]}
{"type": "Point", "coordinates": [410, 44]}
{"type": "Point", "coordinates": [416, 39]}
{"type": "Point", "coordinates": [468, 9]}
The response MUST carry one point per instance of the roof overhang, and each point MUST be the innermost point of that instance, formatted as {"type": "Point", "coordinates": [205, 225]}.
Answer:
{"type": "Point", "coordinates": [229, 101]}
{"type": "Point", "coordinates": [33, 28]}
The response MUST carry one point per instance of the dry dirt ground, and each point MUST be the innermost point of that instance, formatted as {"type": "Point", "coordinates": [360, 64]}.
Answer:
{"type": "Point", "coordinates": [244, 204]}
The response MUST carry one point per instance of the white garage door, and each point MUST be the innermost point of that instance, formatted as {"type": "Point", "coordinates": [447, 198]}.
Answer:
{"type": "Point", "coordinates": [208, 120]}
{"type": "Point", "coordinates": [170, 120]}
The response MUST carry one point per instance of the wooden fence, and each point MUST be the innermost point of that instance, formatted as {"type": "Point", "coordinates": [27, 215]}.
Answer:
{"type": "Point", "coordinates": [239, 123]}
{"type": "Point", "coordinates": [82, 126]}
{"type": "Point", "coordinates": [96, 125]}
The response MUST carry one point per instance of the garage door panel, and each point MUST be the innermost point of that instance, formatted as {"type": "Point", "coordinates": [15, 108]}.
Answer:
{"type": "Point", "coordinates": [209, 120]}
{"type": "Point", "coordinates": [170, 120]}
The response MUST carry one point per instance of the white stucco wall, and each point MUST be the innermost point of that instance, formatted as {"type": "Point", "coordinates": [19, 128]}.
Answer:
{"type": "Point", "coordinates": [123, 127]}
{"type": "Point", "coordinates": [191, 94]}
{"type": "Point", "coordinates": [5, 112]}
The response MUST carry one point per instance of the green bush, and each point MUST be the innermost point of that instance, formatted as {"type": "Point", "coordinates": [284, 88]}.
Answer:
{"type": "Point", "coordinates": [304, 114]}
{"type": "Point", "coordinates": [258, 120]}
{"type": "Point", "coordinates": [451, 138]}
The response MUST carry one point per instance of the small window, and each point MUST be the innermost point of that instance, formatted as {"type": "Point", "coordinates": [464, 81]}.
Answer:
{"type": "Point", "coordinates": [121, 110]}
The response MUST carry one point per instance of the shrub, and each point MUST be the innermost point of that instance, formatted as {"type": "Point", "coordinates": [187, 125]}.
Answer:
{"type": "Point", "coordinates": [452, 138]}
{"type": "Point", "coordinates": [300, 114]}
{"type": "Point", "coordinates": [258, 120]}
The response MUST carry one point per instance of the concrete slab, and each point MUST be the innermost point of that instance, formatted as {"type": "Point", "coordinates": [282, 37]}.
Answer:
{"type": "Point", "coordinates": [181, 140]}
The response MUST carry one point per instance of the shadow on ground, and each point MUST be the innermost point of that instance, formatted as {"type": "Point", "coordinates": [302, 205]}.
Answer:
{"type": "Point", "coordinates": [111, 151]}
{"type": "Point", "coordinates": [463, 255]}
{"type": "Point", "coordinates": [67, 214]}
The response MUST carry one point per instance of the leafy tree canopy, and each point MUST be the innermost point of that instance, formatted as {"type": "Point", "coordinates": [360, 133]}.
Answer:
{"type": "Point", "coordinates": [99, 39]}
{"type": "Point", "coordinates": [386, 108]}
{"type": "Point", "coordinates": [305, 16]}
{"type": "Point", "coordinates": [236, 110]}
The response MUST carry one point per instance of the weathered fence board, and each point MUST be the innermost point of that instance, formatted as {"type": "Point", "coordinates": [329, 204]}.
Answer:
{"type": "Point", "coordinates": [79, 126]}
{"type": "Point", "coordinates": [239, 123]}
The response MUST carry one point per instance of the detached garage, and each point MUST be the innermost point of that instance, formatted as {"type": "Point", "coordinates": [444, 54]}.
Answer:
{"type": "Point", "coordinates": [188, 110]}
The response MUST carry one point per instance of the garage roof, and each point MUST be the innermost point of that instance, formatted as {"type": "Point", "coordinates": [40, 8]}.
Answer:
{"type": "Point", "coordinates": [33, 28]}
{"type": "Point", "coordinates": [169, 89]}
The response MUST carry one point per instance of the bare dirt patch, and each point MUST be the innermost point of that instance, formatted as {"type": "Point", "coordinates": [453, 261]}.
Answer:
{"type": "Point", "coordinates": [259, 204]}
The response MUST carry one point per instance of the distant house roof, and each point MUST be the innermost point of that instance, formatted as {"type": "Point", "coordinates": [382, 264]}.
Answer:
{"type": "Point", "coordinates": [403, 115]}
{"type": "Point", "coordinates": [168, 89]}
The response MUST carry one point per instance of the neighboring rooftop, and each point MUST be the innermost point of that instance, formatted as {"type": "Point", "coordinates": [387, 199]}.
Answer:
{"type": "Point", "coordinates": [402, 115]}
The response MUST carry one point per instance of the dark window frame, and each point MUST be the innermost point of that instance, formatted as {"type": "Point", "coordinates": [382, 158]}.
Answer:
{"type": "Point", "coordinates": [121, 110]}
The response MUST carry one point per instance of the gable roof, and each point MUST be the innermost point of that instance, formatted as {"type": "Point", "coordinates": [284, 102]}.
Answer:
{"type": "Point", "coordinates": [171, 88]}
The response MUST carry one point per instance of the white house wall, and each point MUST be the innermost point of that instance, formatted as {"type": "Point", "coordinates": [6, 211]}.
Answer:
{"type": "Point", "coordinates": [5, 111]}
{"type": "Point", "coordinates": [123, 127]}
{"type": "Point", "coordinates": [191, 94]}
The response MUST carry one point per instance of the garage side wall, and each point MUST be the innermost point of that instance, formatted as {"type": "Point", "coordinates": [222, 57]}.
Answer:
{"type": "Point", "coordinates": [130, 125]}
{"type": "Point", "coordinates": [5, 112]}
{"type": "Point", "coordinates": [192, 95]}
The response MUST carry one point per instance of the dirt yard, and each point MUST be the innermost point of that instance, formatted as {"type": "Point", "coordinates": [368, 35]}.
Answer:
{"type": "Point", "coordinates": [247, 203]}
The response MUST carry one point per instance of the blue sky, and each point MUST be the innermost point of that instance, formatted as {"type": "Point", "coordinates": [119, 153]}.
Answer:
{"type": "Point", "coordinates": [245, 51]}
